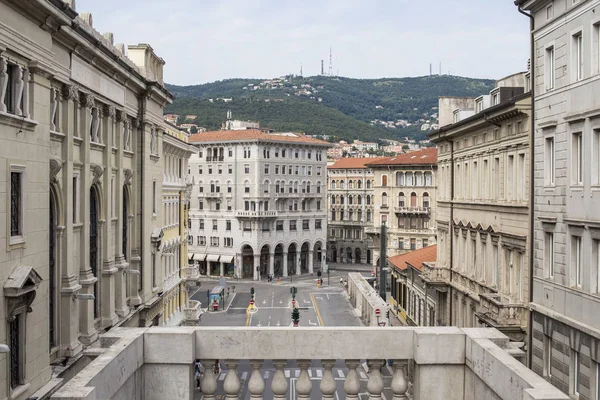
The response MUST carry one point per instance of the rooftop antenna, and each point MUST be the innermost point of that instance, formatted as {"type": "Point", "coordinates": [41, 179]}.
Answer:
{"type": "Point", "coordinates": [301, 70]}
{"type": "Point", "coordinates": [322, 68]}
{"type": "Point", "coordinates": [330, 62]}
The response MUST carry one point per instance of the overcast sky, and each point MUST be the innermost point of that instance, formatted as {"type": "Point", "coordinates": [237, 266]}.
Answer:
{"type": "Point", "coordinates": [207, 40]}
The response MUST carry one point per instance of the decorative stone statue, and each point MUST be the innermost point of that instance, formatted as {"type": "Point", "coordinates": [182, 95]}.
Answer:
{"type": "Point", "coordinates": [126, 134]}
{"type": "Point", "coordinates": [19, 83]}
{"type": "Point", "coordinates": [95, 124]}
{"type": "Point", "coordinates": [3, 82]}
{"type": "Point", "coordinates": [53, 107]}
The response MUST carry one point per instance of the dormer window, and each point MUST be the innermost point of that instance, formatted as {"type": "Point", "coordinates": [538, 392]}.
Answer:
{"type": "Point", "coordinates": [495, 99]}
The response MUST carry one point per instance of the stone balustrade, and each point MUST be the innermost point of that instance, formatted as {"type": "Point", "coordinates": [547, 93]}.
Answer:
{"type": "Point", "coordinates": [445, 363]}
{"type": "Point", "coordinates": [435, 274]}
{"type": "Point", "coordinates": [191, 273]}
{"type": "Point", "coordinates": [192, 313]}
{"type": "Point", "coordinates": [366, 300]}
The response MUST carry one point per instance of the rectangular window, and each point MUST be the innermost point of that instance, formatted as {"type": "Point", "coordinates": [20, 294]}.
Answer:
{"type": "Point", "coordinates": [75, 195]}
{"type": "Point", "coordinates": [16, 204]}
{"type": "Point", "coordinates": [549, 161]}
{"type": "Point", "coordinates": [201, 240]}
{"type": "Point", "coordinates": [317, 224]}
{"type": "Point", "coordinates": [549, 254]}
{"type": "Point", "coordinates": [596, 157]}
{"type": "Point", "coordinates": [596, 262]}
{"type": "Point", "coordinates": [247, 226]}
{"type": "Point", "coordinates": [318, 171]}
{"type": "Point", "coordinates": [496, 174]}
{"type": "Point", "coordinates": [575, 367]}
{"type": "Point", "coordinates": [495, 270]}
{"type": "Point", "coordinates": [576, 260]}
{"type": "Point", "coordinates": [318, 205]}
{"type": "Point", "coordinates": [228, 225]}
{"type": "Point", "coordinates": [547, 357]}
{"type": "Point", "coordinates": [200, 205]}
{"type": "Point", "coordinates": [246, 168]}
{"type": "Point", "coordinates": [550, 69]}
{"type": "Point", "coordinates": [214, 241]}
{"type": "Point", "coordinates": [266, 168]}
{"type": "Point", "coordinates": [510, 178]}
{"type": "Point", "coordinates": [16, 342]}
{"type": "Point", "coordinates": [201, 224]}
{"type": "Point", "coordinates": [292, 225]}
{"type": "Point", "coordinates": [577, 158]}
{"type": "Point", "coordinates": [549, 12]}
{"type": "Point", "coordinates": [305, 224]}
{"type": "Point", "coordinates": [214, 224]}
{"type": "Point", "coordinates": [279, 226]}
{"type": "Point", "coordinates": [578, 55]}
{"type": "Point", "coordinates": [154, 197]}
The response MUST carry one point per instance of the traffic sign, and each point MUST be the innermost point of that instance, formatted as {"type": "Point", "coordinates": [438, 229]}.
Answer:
{"type": "Point", "coordinates": [377, 312]}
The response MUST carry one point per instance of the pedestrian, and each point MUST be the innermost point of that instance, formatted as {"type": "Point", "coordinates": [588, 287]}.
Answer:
{"type": "Point", "coordinates": [198, 372]}
{"type": "Point", "coordinates": [217, 368]}
{"type": "Point", "coordinates": [227, 291]}
{"type": "Point", "coordinates": [341, 280]}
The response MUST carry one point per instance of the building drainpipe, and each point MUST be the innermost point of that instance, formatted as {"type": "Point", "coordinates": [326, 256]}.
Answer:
{"type": "Point", "coordinates": [531, 183]}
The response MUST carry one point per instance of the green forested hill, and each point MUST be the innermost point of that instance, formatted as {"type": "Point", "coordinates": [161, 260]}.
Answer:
{"type": "Point", "coordinates": [336, 106]}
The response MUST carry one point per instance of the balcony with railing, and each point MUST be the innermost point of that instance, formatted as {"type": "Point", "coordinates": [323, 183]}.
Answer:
{"type": "Point", "coordinates": [191, 313]}
{"type": "Point", "coordinates": [213, 195]}
{"type": "Point", "coordinates": [504, 314]}
{"type": "Point", "coordinates": [191, 272]}
{"type": "Point", "coordinates": [427, 363]}
{"type": "Point", "coordinates": [256, 214]}
{"type": "Point", "coordinates": [435, 274]}
{"type": "Point", "coordinates": [214, 159]}
{"type": "Point", "coordinates": [412, 210]}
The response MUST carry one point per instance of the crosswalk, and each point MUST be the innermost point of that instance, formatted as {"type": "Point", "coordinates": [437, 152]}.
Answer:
{"type": "Point", "coordinates": [313, 373]}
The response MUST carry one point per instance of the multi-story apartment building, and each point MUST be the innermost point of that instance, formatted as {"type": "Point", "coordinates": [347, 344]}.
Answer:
{"type": "Point", "coordinates": [411, 299]}
{"type": "Point", "coordinates": [80, 119]}
{"type": "Point", "coordinates": [483, 210]}
{"type": "Point", "coordinates": [174, 248]}
{"type": "Point", "coordinates": [350, 211]}
{"type": "Point", "coordinates": [405, 194]}
{"type": "Point", "coordinates": [566, 262]}
{"type": "Point", "coordinates": [258, 205]}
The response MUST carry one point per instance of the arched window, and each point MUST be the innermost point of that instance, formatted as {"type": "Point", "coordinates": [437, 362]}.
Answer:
{"type": "Point", "coordinates": [384, 180]}
{"type": "Point", "coordinates": [360, 184]}
{"type": "Point", "coordinates": [228, 186]}
{"type": "Point", "coordinates": [296, 187]}
{"type": "Point", "coordinates": [419, 179]}
{"type": "Point", "coordinates": [350, 184]}
{"type": "Point", "coordinates": [413, 199]}
{"type": "Point", "coordinates": [341, 199]}
{"type": "Point", "coordinates": [246, 187]}
{"type": "Point", "coordinates": [319, 187]}
{"type": "Point", "coordinates": [425, 200]}
{"type": "Point", "coordinates": [337, 199]}
{"type": "Point", "coordinates": [368, 184]}
{"type": "Point", "coordinates": [277, 187]}
{"type": "Point", "coordinates": [342, 184]}
{"type": "Point", "coordinates": [384, 200]}
{"type": "Point", "coordinates": [359, 199]}
{"type": "Point", "coordinates": [266, 185]}
{"type": "Point", "coordinates": [428, 179]}
{"type": "Point", "coordinates": [350, 200]}
{"type": "Point", "coordinates": [400, 199]}
{"type": "Point", "coordinates": [399, 178]}
{"type": "Point", "coordinates": [333, 184]}
{"type": "Point", "coordinates": [368, 215]}
{"type": "Point", "coordinates": [212, 186]}
{"type": "Point", "coordinates": [410, 179]}
{"type": "Point", "coordinates": [332, 199]}
{"type": "Point", "coordinates": [368, 200]}
{"type": "Point", "coordinates": [200, 186]}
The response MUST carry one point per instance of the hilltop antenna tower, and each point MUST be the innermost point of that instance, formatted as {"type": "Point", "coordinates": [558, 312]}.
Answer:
{"type": "Point", "coordinates": [322, 68]}
{"type": "Point", "coordinates": [330, 62]}
{"type": "Point", "coordinates": [301, 70]}
{"type": "Point", "coordinates": [430, 71]}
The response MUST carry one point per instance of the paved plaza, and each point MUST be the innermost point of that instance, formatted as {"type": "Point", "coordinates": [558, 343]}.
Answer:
{"type": "Point", "coordinates": [318, 306]}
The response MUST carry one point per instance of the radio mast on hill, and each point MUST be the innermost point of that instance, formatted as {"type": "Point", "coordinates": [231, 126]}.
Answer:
{"type": "Point", "coordinates": [330, 63]}
{"type": "Point", "coordinates": [322, 68]}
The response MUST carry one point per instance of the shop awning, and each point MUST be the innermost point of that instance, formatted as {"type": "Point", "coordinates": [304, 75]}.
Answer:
{"type": "Point", "coordinates": [227, 259]}
{"type": "Point", "coordinates": [213, 257]}
{"type": "Point", "coordinates": [200, 257]}
{"type": "Point", "coordinates": [191, 256]}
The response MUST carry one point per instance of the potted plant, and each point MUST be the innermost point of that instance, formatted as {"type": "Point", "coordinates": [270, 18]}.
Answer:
{"type": "Point", "coordinates": [295, 316]}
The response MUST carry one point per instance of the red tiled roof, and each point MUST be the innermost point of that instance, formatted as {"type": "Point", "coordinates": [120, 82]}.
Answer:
{"type": "Point", "coordinates": [253, 134]}
{"type": "Point", "coordinates": [415, 258]}
{"type": "Point", "coordinates": [417, 157]}
{"type": "Point", "coordinates": [351, 162]}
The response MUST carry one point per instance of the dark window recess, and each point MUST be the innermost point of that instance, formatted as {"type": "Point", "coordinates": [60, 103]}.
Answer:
{"type": "Point", "coordinates": [15, 203]}
{"type": "Point", "coordinates": [94, 246]}
{"type": "Point", "coordinates": [51, 278]}
{"type": "Point", "coordinates": [14, 329]}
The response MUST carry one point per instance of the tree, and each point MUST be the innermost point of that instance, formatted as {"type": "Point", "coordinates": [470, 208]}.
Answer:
{"type": "Point", "coordinates": [193, 130]}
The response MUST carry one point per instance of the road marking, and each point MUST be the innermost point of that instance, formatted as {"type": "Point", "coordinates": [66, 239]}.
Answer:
{"type": "Point", "coordinates": [297, 373]}
{"type": "Point", "coordinates": [317, 310]}
{"type": "Point", "coordinates": [266, 375]}
{"type": "Point", "coordinates": [278, 324]}
{"type": "Point", "coordinates": [280, 301]}
{"type": "Point", "coordinates": [318, 297]}
{"type": "Point", "coordinates": [244, 375]}
{"type": "Point", "coordinates": [341, 373]}
{"type": "Point", "coordinates": [272, 299]}
{"type": "Point", "coordinates": [327, 296]}
{"type": "Point", "coordinates": [362, 374]}
{"type": "Point", "coordinates": [264, 301]}
{"type": "Point", "coordinates": [259, 323]}
{"type": "Point", "coordinates": [310, 373]}
{"type": "Point", "coordinates": [287, 373]}
{"type": "Point", "coordinates": [222, 376]}
{"type": "Point", "coordinates": [306, 301]}
{"type": "Point", "coordinates": [312, 323]}
{"type": "Point", "coordinates": [319, 373]}
{"type": "Point", "coordinates": [248, 318]}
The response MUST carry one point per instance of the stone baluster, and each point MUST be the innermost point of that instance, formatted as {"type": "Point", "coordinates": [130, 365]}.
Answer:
{"type": "Point", "coordinates": [208, 385]}
{"type": "Point", "coordinates": [232, 384]}
{"type": "Point", "coordinates": [18, 94]}
{"type": "Point", "coordinates": [3, 82]}
{"type": "Point", "coordinates": [328, 386]}
{"type": "Point", "coordinates": [256, 384]}
{"type": "Point", "coordinates": [352, 383]}
{"type": "Point", "coordinates": [304, 384]}
{"type": "Point", "coordinates": [399, 380]}
{"type": "Point", "coordinates": [279, 385]}
{"type": "Point", "coordinates": [375, 383]}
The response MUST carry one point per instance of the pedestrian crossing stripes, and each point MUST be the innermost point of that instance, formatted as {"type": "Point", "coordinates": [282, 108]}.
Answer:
{"type": "Point", "coordinates": [222, 376]}
{"type": "Point", "coordinates": [319, 373]}
{"type": "Point", "coordinates": [341, 373]}
{"type": "Point", "coordinates": [363, 375]}
{"type": "Point", "coordinates": [244, 375]}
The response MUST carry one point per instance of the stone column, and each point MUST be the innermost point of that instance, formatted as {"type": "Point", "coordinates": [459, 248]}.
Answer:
{"type": "Point", "coordinates": [298, 263]}
{"type": "Point", "coordinates": [256, 267]}
{"type": "Point", "coordinates": [272, 264]}
{"type": "Point", "coordinates": [222, 269]}
{"type": "Point", "coordinates": [207, 268]}
{"type": "Point", "coordinates": [285, 263]}
{"type": "Point", "coordinates": [310, 261]}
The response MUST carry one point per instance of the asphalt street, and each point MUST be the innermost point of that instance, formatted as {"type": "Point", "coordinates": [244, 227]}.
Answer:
{"type": "Point", "coordinates": [318, 306]}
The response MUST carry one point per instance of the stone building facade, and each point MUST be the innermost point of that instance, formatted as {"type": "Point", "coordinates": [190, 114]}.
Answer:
{"type": "Point", "coordinates": [81, 125]}
{"type": "Point", "coordinates": [176, 189]}
{"type": "Point", "coordinates": [566, 261]}
{"type": "Point", "coordinates": [483, 211]}
{"type": "Point", "coordinates": [351, 210]}
{"type": "Point", "coordinates": [258, 204]}
{"type": "Point", "coordinates": [405, 200]}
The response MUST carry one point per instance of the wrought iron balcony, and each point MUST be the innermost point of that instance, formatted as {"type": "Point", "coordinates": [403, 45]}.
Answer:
{"type": "Point", "coordinates": [412, 210]}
